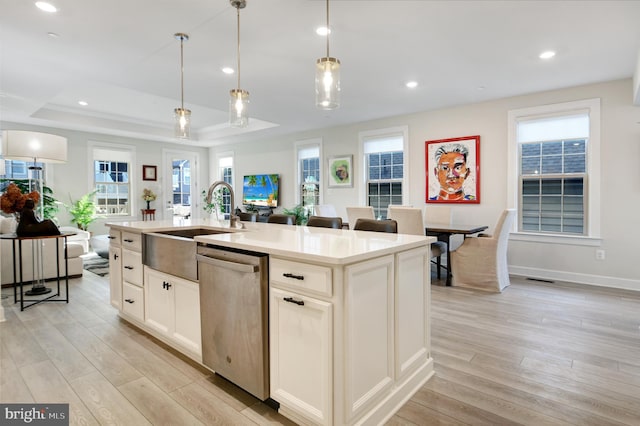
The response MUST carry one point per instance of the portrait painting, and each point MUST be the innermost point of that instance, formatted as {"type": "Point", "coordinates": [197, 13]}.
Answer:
{"type": "Point", "coordinates": [340, 171]}
{"type": "Point", "coordinates": [453, 170]}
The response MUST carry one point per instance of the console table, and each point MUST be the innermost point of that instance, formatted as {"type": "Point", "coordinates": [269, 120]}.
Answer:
{"type": "Point", "coordinates": [38, 287]}
{"type": "Point", "coordinates": [148, 214]}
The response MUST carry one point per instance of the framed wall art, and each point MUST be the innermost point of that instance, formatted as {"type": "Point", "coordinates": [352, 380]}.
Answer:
{"type": "Point", "coordinates": [149, 173]}
{"type": "Point", "coordinates": [340, 171]}
{"type": "Point", "coordinates": [453, 170]}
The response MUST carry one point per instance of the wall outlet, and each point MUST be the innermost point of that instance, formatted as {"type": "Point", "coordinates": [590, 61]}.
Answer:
{"type": "Point", "coordinates": [599, 254]}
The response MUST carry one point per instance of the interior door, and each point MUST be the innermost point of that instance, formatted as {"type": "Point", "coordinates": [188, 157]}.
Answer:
{"type": "Point", "coordinates": [180, 196]}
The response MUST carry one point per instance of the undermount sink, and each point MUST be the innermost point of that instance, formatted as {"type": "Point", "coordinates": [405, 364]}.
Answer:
{"type": "Point", "coordinates": [174, 251]}
{"type": "Point", "coordinates": [191, 233]}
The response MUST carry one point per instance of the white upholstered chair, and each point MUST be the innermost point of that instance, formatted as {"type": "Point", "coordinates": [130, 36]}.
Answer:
{"type": "Point", "coordinates": [325, 210]}
{"type": "Point", "coordinates": [355, 213]}
{"type": "Point", "coordinates": [481, 262]}
{"type": "Point", "coordinates": [410, 221]}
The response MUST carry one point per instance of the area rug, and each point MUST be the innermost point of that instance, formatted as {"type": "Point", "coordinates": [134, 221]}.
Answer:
{"type": "Point", "coordinates": [96, 264]}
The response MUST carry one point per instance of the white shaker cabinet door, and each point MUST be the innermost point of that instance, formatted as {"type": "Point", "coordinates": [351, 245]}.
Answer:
{"type": "Point", "coordinates": [300, 355]}
{"type": "Point", "coordinates": [115, 276]}
{"type": "Point", "coordinates": [159, 306]}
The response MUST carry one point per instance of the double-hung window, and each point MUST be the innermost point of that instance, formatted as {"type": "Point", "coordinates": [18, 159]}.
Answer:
{"type": "Point", "coordinates": [556, 175]}
{"type": "Point", "coordinates": [385, 159]}
{"type": "Point", "coordinates": [309, 173]}
{"type": "Point", "coordinates": [111, 172]}
{"type": "Point", "coordinates": [225, 173]}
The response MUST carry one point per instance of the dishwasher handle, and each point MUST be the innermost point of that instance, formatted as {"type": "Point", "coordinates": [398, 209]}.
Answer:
{"type": "Point", "coordinates": [239, 267]}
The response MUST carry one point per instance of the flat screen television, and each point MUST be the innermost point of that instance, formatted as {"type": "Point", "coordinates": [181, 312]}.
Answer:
{"type": "Point", "coordinates": [260, 190]}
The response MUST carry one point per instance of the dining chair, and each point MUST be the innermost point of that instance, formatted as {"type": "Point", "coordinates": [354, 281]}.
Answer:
{"type": "Point", "coordinates": [355, 213]}
{"type": "Point", "coordinates": [410, 221]}
{"type": "Point", "coordinates": [388, 225]}
{"type": "Point", "coordinates": [440, 214]}
{"type": "Point", "coordinates": [283, 219]}
{"type": "Point", "coordinates": [248, 216]}
{"type": "Point", "coordinates": [325, 210]}
{"type": "Point", "coordinates": [325, 222]}
{"type": "Point", "coordinates": [481, 262]}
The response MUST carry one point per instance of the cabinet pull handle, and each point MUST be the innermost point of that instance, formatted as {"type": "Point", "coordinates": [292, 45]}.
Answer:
{"type": "Point", "coordinates": [115, 256]}
{"type": "Point", "coordinates": [295, 277]}
{"type": "Point", "coordinates": [129, 268]}
{"type": "Point", "coordinates": [129, 300]}
{"type": "Point", "coordinates": [111, 237]}
{"type": "Point", "coordinates": [128, 241]}
{"type": "Point", "coordinates": [166, 285]}
{"type": "Point", "coordinates": [292, 300]}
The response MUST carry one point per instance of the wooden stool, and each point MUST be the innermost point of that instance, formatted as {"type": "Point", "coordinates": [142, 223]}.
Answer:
{"type": "Point", "coordinates": [148, 214]}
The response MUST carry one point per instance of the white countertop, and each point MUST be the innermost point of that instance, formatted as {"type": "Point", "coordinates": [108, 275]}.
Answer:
{"type": "Point", "coordinates": [332, 246]}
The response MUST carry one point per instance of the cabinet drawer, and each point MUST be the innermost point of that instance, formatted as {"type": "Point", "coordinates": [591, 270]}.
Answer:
{"type": "Point", "coordinates": [114, 237]}
{"type": "Point", "coordinates": [301, 277]}
{"type": "Point", "coordinates": [132, 267]}
{"type": "Point", "coordinates": [132, 241]}
{"type": "Point", "coordinates": [133, 301]}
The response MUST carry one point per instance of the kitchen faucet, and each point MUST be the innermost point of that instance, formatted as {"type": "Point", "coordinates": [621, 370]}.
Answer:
{"type": "Point", "coordinates": [232, 218]}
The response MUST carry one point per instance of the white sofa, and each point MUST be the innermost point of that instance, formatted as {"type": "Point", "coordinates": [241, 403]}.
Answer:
{"type": "Point", "coordinates": [74, 250]}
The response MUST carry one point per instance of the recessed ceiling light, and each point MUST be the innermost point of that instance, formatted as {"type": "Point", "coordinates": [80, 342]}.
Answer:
{"type": "Point", "coordinates": [323, 31]}
{"type": "Point", "coordinates": [83, 103]}
{"type": "Point", "coordinates": [547, 55]}
{"type": "Point", "coordinates": [46, 7]}
{"type": "Point", "coordinates": [53, 35]}
{"type": "Point", "coordinates": [412, 84]}
{"type": "Point", "coordinates": [228, 70]}
{"type": "Point", "coordinates": [480, 87]}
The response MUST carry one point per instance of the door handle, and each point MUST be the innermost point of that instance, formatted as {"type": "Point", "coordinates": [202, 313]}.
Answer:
{"type": "Point", "coordinates": [292, 300]}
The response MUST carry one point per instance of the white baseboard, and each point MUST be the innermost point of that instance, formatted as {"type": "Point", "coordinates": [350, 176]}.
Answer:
{"type": "Point", "coordinates": [574, 277]}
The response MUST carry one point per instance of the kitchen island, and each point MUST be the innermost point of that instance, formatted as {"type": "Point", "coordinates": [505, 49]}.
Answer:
{"type": "Point", "coordinates": [348, 320]}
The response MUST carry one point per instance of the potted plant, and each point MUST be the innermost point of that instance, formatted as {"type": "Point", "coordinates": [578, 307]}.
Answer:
{"type": "Point", "coordinates": [83, 211]}
{"type": "Point", "coordinates": [299, 212]}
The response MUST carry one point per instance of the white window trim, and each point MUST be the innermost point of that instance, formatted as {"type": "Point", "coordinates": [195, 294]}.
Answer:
{"type": "Point", "coordinates": [298, 146]}
{"type": "Point", "coordinates": [592, 237]}
{"type": "Point", "coordinates": [363, 137]}
{"type": "Point", "coordinates": [133, 173]}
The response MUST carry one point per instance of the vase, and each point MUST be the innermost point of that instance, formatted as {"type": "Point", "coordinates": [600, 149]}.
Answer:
{"type": "Point", "coordinates": [148, 205]}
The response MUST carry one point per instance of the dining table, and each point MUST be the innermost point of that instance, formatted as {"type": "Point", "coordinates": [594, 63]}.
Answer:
{"type": "Point", "coordinates": [444, 231]}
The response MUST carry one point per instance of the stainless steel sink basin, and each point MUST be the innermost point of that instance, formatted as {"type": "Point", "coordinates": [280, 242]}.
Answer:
{"type": "Point", "coordinates": [174, 251]}
{"type": "Point", "coordinates": [190, 233]}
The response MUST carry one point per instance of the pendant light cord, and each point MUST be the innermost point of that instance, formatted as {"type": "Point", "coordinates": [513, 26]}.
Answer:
{"type": "Point", "coordinates": [182, 72]}
{"type": "Point", "coordinates": [328, 30]}
{"type": "Point", "coordinates": [238, 13]}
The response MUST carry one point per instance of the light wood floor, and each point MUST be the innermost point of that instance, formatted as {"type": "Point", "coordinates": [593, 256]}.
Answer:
{"type": "Point", "coordinates": [537, 354]}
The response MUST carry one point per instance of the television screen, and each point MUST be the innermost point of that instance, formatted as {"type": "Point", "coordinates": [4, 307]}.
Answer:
{"type": "Point", "coordinates": [260, 190]}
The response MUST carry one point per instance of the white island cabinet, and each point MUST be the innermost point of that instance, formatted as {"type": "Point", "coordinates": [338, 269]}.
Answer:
{"type": "Point", "coordinates": [349, 316]}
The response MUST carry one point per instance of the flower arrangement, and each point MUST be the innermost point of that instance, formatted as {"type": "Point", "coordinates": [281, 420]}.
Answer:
{"type": "Point", "coordinates": [148, 195]}
{"type": "Point", "coordinates": [12, 200]}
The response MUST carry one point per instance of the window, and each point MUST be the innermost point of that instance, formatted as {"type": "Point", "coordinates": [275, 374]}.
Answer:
{"type": "Point", "coordinates": [385, 160]}
{"type": "Point", "coordinates": [181, 182]}
{"type": "Point", "coordinates": [112, 180]}
{"type": "Point", "coordinates": [557, 178]}
{"type": "Point", "coordinates": [309, 172]}
{"type": "Point", "coordinates": [225, 173]}
{"type": "Point", "coordinates": [20, 169]}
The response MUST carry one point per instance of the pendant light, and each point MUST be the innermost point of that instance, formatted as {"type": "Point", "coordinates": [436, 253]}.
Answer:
{"type": "Point", "coordinates": [182, 116]}
{"type": "Point", "coordinates": [239, 101]}
{"type": "Point", "coordinates": [327, 78]}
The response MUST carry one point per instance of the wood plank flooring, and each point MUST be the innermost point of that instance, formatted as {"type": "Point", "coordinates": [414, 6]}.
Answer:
{"type": "Point", "coordinates": [537, 354]}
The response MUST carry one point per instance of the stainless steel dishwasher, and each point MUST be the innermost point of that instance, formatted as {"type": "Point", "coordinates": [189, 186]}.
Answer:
{"type": "Point", "coordinates": [234, 315]}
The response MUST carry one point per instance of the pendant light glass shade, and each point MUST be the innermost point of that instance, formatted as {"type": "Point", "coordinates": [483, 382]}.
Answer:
{"type": "Point", "coordinates": [239, 100]}
{"type": "Point", "coordinates": [327, 83]}
{"type": "Point", "coordinates": [327, 78]}
{"type": "Point", "coordinates": [238, 108]}
{"type": "Point", "coordinates": [182, 116]}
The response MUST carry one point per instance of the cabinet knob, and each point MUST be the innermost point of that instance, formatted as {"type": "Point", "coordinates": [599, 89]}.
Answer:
{"type": "Point", "coordinates": [292, 300]}
{"type": "Point", "coordinates": [295, 277]}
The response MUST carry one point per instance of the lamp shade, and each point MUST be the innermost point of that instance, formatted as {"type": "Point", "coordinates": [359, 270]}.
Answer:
{"type": "Point", "coordinates": [34, 146]}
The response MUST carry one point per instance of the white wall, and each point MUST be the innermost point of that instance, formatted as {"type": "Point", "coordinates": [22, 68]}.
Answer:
{"type": "Point", "coordinates": [620, 157]}
{"type": "Point", "coordinates": [74, 178]}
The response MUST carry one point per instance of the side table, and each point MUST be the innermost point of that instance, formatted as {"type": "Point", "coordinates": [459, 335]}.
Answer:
{"type": "Point", "coordinates": [148, 214]}
{"type": "Point", "coordinates": [38, 287]}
